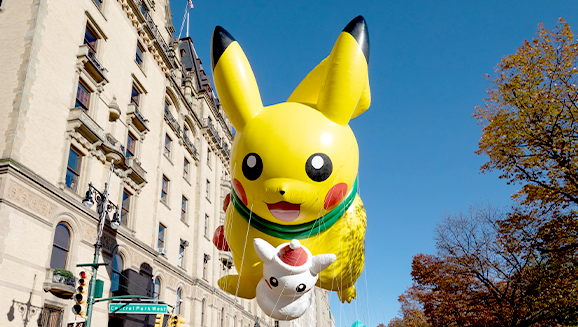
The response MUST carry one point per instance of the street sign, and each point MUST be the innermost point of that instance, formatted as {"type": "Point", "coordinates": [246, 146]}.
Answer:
{"type": "Point", "coordinates": [142, 308]}
{"type": "Point", "coordinates": [78, 324]}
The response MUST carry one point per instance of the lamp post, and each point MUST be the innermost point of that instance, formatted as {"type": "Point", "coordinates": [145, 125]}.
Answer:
{"type": "Point", "coordinates": [103, 208]}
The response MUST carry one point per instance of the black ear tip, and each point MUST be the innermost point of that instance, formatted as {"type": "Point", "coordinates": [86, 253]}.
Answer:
{"type": "Point", "coordinates": [221, 40]}
{"type": "Point", "coordinates": [357, 27]}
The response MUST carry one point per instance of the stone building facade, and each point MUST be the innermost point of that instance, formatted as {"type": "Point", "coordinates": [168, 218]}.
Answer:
{"type": "Point", "coordinates": [90, 85]}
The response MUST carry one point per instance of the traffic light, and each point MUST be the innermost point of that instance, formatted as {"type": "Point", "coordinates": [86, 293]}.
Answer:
{"type": "Point", "coordinates": [172, 320]}
{"type": "Point", "coordinates": [81, 294]}
{"type": "Point", "coordinates": [180, 321]}
{"type": "Point", "coordinates": [159, 320]}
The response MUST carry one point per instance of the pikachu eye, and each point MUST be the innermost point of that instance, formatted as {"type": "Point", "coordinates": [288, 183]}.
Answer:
{"type": "Point", "coordinates": [252, 166]}
{"type": "Point", "coordinates": [301, 288]}
{"type": "Point", "coordinates": [319, 167]}
{"type": "Point", "coordinates": [274, 282]}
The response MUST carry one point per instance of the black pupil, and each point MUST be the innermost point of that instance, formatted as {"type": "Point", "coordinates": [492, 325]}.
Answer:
{"type": "Point", "coordinates": [318, 167]}
{"type": "Point", "coordinates": [252, 166]}
{"type": "Point", "coordinates": [274, 282]}
{"type": "Point", "coordinates": [301, 288]}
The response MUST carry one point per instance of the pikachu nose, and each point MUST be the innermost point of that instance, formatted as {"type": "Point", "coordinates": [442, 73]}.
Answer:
{"type": "Point", "coordinates": [282, 192]}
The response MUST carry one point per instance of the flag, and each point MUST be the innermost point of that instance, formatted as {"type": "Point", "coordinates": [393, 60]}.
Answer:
{"type": "Point", "coordinates": [191, 4]}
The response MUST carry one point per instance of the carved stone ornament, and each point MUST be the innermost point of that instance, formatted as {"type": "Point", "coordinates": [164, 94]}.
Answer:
{"type": "Point", "coordinates": [29, 200]}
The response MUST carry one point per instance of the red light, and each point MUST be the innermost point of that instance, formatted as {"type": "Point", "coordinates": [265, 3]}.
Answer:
{"type": "Point", "coordinates": [83, 274]}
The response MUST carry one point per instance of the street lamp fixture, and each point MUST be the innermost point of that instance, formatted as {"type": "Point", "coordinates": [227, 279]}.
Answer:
{"type": "Point", "coordinates": [103, 208]}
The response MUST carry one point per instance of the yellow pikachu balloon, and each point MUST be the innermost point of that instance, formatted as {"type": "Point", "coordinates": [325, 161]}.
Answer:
{"type": "Point", "coordinates": [294, 164]}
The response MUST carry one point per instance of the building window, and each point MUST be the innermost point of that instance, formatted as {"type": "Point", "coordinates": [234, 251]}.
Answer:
{"type": "Point", "coordinates": [178, 301]}
{"type": "Point", "coordinates": [50, 316]}
{"type": "Point", "coordinates": [165, 190]}
{"type": "Point", "coordinates": [90, 39]}
{"type": "Point", "coordinates": [209, 157]}
{"type": "Point", "coordinates": [73, 169]}
{"type": "Point", "coordinates": [276, 323]}
{"type": "Point", "coordinates": [157, 289]}
{"type": "Point", "coordinates": [222, 317]}
{"type": "Point", "coordinates": [206, 225]}
{"type": "Point", "coordinates": [125, 210]}
{"type": "Point", "coordinates": [182, 254]}
{"type": "Point", "coordinates": [208, 190]}
{"type": "Point", "coordinates": [168, 144]}
{"type": "Point", "coordinates": [186, 167]}
{"type": "Point", "coordinates": [203, 308]}
{"type": "Point", "coordinates": [130, 146]}
{"type": "Point", "coordinates": [116, 272]}
{"type": "Point", "coordinates": [82, 97]}
{"type": "Point", "coordinates": [161, 239]}
{"type": "Point", "coordinates": [60, 247]}
{"type": "Point", "coordinates": [135, 96]}
{"type": "Point", "coordinates": [98, 3]}
{"type": "Point", "coordinates": [139, 55]}
{"type": "Point", "coordinates": [184, 209]}
{"type": "Point", "coordinates": [205, 261]}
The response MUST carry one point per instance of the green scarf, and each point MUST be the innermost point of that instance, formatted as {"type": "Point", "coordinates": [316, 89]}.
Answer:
{"type": "Point", "coordinates": [301, 231]}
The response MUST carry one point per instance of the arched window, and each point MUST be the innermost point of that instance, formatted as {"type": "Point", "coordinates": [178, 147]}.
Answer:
{"type": "Point", "coordinates": [203, 312]}
{"type": "Point", "coordinates": [60, 246]}
{"type": "Point", "coordinates": [179, 301]}
{"type": "Point", "coordinates": [157, 288]}
{"type": "Point", "coordinates": [116, 271]}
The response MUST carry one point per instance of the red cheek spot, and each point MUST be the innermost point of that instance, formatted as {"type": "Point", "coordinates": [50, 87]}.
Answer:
{"type": "Point", "coordinates": [240, 191]}
{"type": "Point", "coordinates": [226, 202]}
{"type": "Point", "coordinates": [335, 195]}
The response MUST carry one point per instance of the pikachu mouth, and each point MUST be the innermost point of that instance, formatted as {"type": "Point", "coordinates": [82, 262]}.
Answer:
{"type": "Point", "coordinates": [284, 211]}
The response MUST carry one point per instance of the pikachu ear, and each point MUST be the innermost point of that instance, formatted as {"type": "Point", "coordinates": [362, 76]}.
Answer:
{"type": "Point", "coordinates": [339, 85]}
{"type": "Point", "coordinates": [234, 79]}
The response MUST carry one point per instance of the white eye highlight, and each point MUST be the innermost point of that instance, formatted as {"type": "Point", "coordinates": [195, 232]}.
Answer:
{"type": "Point", "coordinates": [251, 161]}
{"type": "Point", "coordinates": [317, 162]}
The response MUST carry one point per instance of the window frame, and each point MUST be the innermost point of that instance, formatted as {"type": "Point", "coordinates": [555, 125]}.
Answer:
{"type": "Point", "coordinates": [76, 174]}
{"type": "Point", "coordinates": [181, 256]}
{"type": "Point", "coordinates": [92, 46]}
{"type": "Point", "coordinates": [79, 103]}
{"type": "Point", "coordinates": [119, 273]}
{"type": "Point", "coordinates": [208, 190]}
{"type": "Point", "coordinates": [161, 236]}
{"type": "Point", "coordinates": [165, 184]}
{"type": "Point", "coordinates": [207, 225]}
{"type": "Point", "coordinates": [186, 169]}
{"type": "Point", "coordinates": [126, 209]}
{"type": "Point", "coordinates": [58, 246]}
{"type": "Point", "coordinates": [184, 207]}
{"type": "Point", "coordinates": [168, 145]}
{"type": "Point", "coordinates": [128, 151]}
{"type": "Point", "coordinates": [136, 99]}
{"type": "Point", "coordinates": [158, 289]}
{"type": "Point", "coordinates": [142, 56]}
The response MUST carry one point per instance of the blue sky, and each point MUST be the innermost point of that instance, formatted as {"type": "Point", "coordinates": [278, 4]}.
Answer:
{"type": "Point", "coordinates": [417, 140]}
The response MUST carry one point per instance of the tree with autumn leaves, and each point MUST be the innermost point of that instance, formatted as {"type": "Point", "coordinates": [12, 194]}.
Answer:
{"type": "Point", "coordinates": [516, 266]}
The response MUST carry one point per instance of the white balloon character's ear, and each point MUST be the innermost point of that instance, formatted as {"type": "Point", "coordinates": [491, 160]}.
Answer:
{"type": "Point", "coordinates": [320, 262]}
{"type": "Point", "coordinates": [264, 250]}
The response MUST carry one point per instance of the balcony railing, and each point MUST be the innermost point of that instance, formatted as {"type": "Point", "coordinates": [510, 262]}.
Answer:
{"type": "Point", "coordinates": [226, 149]}
{"type": "Point", "coordinates": [137, 173]}
{"type": "Point", "coordinates": [155, 31]}
{"type": "Point", "coordinates": [214, 132]}
{"type": "Point", "coordinates": [78, 120]}
{"type": "Point", "coordinates": [91, 64]}
{"type": "Point", "coordinates": [95, 62]}
{"type": "Point", "coordinates": [59, 285]}
{"type": "Point", "coordinates": [191, 147]}
{"type": "Point", "coordinates": [172, 121]}
{"type": "Point", "coordinates": [137, 118]}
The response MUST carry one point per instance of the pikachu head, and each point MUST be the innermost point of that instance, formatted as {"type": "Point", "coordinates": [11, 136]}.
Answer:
{"type": "Point", "coordinates": [295, 161]}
